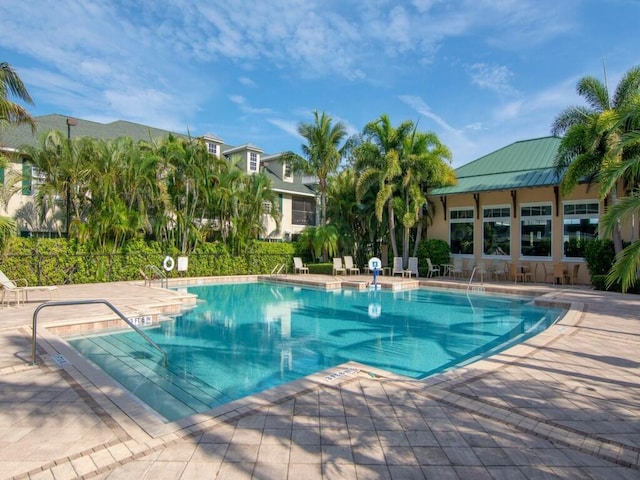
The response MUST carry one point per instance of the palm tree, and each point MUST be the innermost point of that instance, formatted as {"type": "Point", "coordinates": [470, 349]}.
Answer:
{"type": "Point", "coordinates": [627, 264]}
{"type": "Point", "coordinates": [11, 113]}
{"type": "Point", "coordinates": [11, 85]}
{"type": "Point", "coordinates": [378, 159]}
{"type": "Point", "coordinates": [591, 133]}
{"type": "Point", "coordinates": [322, 153]}
{"type": "Point", "coordinates": [426, 165]}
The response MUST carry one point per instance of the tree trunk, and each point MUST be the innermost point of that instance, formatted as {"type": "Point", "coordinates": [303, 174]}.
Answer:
{"type": "Point", "coordinates": [392, 229]}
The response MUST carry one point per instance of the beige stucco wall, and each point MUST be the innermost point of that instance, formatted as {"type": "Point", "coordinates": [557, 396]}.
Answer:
{"type": "Point", "coordinates": [543, 195]}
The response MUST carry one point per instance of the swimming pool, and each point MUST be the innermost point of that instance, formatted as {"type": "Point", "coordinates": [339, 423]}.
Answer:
{"type": "Point", "coordinates": [245, 338]}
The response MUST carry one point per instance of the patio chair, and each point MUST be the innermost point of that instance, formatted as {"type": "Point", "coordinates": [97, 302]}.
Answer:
{"type": "Point", "coordinates": [337, 266]}
{"type": "Point", "coordinates": [413, 266]}
{"type": "Point", "coordinates": [456, 270]}
{"type": "Point", "coordinates": [517, 273]}
{"type": "Point", "coordinates": [21, 293]}
{"type": "Point", "coordinates": [349, 266]}
{"type": "Point", "coordinates": [499, 270]}
{"type": "Point", "coordinates": [298, 266]}
{"type": "Point", "coordinates": [558, 272]}
{"type": "Point", "coordinates": [432, 268]}
{"type": "Point", "coordinates": [397, 266]}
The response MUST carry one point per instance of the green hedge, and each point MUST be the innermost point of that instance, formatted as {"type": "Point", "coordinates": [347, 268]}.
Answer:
{"type": "Point", "coordinates": [437, 250]}
{"type": "Point", "coordinates": [59, 261]}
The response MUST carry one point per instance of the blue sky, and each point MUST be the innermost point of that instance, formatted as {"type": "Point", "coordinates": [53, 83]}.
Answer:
{"type": "Point", "coordinates": [481, 74]}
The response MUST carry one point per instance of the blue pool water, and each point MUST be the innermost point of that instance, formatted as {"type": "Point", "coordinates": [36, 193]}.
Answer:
{"type": "Point", "coordinates": [245, 338]}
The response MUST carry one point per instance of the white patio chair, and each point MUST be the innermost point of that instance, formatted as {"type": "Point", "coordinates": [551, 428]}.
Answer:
{"type": "Point", "coordinates": [413, 266]}
{"type": "Point", "coordinates": [337, 266]}
{"type": "Point", "coordinates": [298, 266]}
{"type": "Point", "coordinates": [349, 266]}
{"type": "Point", "coordinates": [432, 269]}
{"type": "Point", "coordinates": [397, 266]}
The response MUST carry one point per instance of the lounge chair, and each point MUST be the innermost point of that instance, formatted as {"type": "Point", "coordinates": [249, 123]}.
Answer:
{"type": "Point", "coordinates": [413, 266]}
{"type": "Point", "coordinates": [349, 266]}
{"type": "Point", "coordinates": [21, 293]}
{"type": "Point", "coordinates": [337, 266]}
{"type": "Point", "coordinates": [397, 266]}
{"type": "Point", "coordinates": [432, 269]}
{"type": "Point", "coordinates": [298, 266]}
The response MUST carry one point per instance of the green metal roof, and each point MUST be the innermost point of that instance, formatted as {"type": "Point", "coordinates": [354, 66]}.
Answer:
{"type": "Point", "coordinates": [524, 164]}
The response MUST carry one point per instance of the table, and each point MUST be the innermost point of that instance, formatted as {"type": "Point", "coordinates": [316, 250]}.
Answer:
{"type": "Point", "coordinates": [446, 269]}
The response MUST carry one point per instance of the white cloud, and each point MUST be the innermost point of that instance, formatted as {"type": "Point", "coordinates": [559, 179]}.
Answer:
{"type": "Point", "coordinates": [286, 126]}
{"type": "Point", "coordinates": [419, 105]}
{"type": "Point", "coordinates": [247, 82]}
{"type": "Point", "coordinates": [246, 108]}
{"type": "Point", "coordinates": [496, 78]}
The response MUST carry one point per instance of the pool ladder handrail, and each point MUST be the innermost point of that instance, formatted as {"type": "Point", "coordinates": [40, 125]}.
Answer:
{"type": "Point", "coordinates": [277, 270]}
{"type": "Point", "coordinates": [156, 274]}
{"type": "Point", "coordinates": [481, 278]}
{"type": "Point", "coordinates": [61, 303]}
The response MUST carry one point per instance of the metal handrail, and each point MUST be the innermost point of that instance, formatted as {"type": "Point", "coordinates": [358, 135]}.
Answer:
{"type": "Point", "coordinates": [277, 270]}
{"type": "Point", "coordinates": [157, 274]}
{"type": "Point", "coordinates": [61, 303]}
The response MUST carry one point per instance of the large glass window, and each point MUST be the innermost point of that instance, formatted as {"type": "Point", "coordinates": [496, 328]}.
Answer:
{"type": "Point", "coordinates": [496, 228]}
{"type": "Point", "coordinates": [580, 225]}
{"type": "Point", "coordinates": [303, 211]}
{"type": "Point", "coordinates": [461, 231]}
{"type": "Point", "coordinates": [535, 230]}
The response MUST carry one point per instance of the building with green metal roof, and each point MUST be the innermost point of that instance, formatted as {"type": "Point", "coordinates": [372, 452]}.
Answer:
{"type": "Point", "coordinates": [506, 213]}
{"type": "Point", "coordinates": [297, 197]}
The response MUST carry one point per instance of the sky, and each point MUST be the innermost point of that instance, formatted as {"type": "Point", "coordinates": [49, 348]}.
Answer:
{"type": "Point", "coordinates": [480, 74]}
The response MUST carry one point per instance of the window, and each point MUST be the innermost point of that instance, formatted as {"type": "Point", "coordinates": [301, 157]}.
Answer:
{"type": "Point", "coordinates": [303, 211]}
{"type": "Point", "coordinates": [26, 177]}
{"type": "Point", "coordinates": [535, 230]}
{"type": "Point", "coordinates": [213, 148]}
{"type": "Point", "coordinates": [496, 230]}
{"type": "Point", "coordinates": [266, 207]}
{"type": "Point", "coordinates": [287, 173]}
{"type": "Point", "coordinates": [580, 225]}
{"type": "Point", "coordinates": [461, 231]}
{"type": "Point", "coordinates": [253, 161]}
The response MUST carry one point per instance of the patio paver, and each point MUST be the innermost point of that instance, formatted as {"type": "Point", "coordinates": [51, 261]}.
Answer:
{"type": "Point", "coordinates": [563, 405]}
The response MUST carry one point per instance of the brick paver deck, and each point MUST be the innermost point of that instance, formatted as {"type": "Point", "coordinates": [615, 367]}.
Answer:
{"type": "Point", "coordinates": [565, 404]}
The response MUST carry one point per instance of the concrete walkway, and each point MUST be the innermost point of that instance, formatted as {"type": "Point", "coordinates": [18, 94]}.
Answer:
{"type": "Point", "coordinates": [566, 404]}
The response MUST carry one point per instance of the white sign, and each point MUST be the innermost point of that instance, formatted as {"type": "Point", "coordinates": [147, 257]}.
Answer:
{"type": "Point", "coordinates": [375, 264]}
{"type": "Point", "coordinates": [183, 264]}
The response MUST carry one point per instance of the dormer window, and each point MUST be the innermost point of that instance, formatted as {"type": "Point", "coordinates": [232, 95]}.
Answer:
{"type": "Point", "coordinates": [253, 162]}
{"type": "Point", "coordinates": [212, 148]}
{"type": "Point", "coordinates": [287, 171]}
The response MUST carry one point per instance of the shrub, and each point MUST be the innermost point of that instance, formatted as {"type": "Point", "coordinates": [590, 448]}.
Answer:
{"type": "Point", "coordinates": [59, 261]}
{"type": "Point", "coordinates": [437, 250]}
{"type": "Point", "coordinates": [599, 255]}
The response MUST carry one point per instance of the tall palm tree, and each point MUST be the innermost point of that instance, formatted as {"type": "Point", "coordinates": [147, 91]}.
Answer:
{"type": "Point", "coordinates": [322, 153]}
{"type": "Point", "coordinates": [11, 85]}
{"type": "Point", "coordinates": [426, 165]}
{"type": "Point", "coordinates": [627, 210]}
{"type": "Point", "coordinates": [379, 160]}
{"type": "Point", "coordinates": [590, 133]}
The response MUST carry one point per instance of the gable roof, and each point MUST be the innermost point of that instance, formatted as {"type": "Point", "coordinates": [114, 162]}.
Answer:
{"type": "Point", "coordinates": [523, 164]}
{"type": "Point", "coordinates": [19, 135]}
